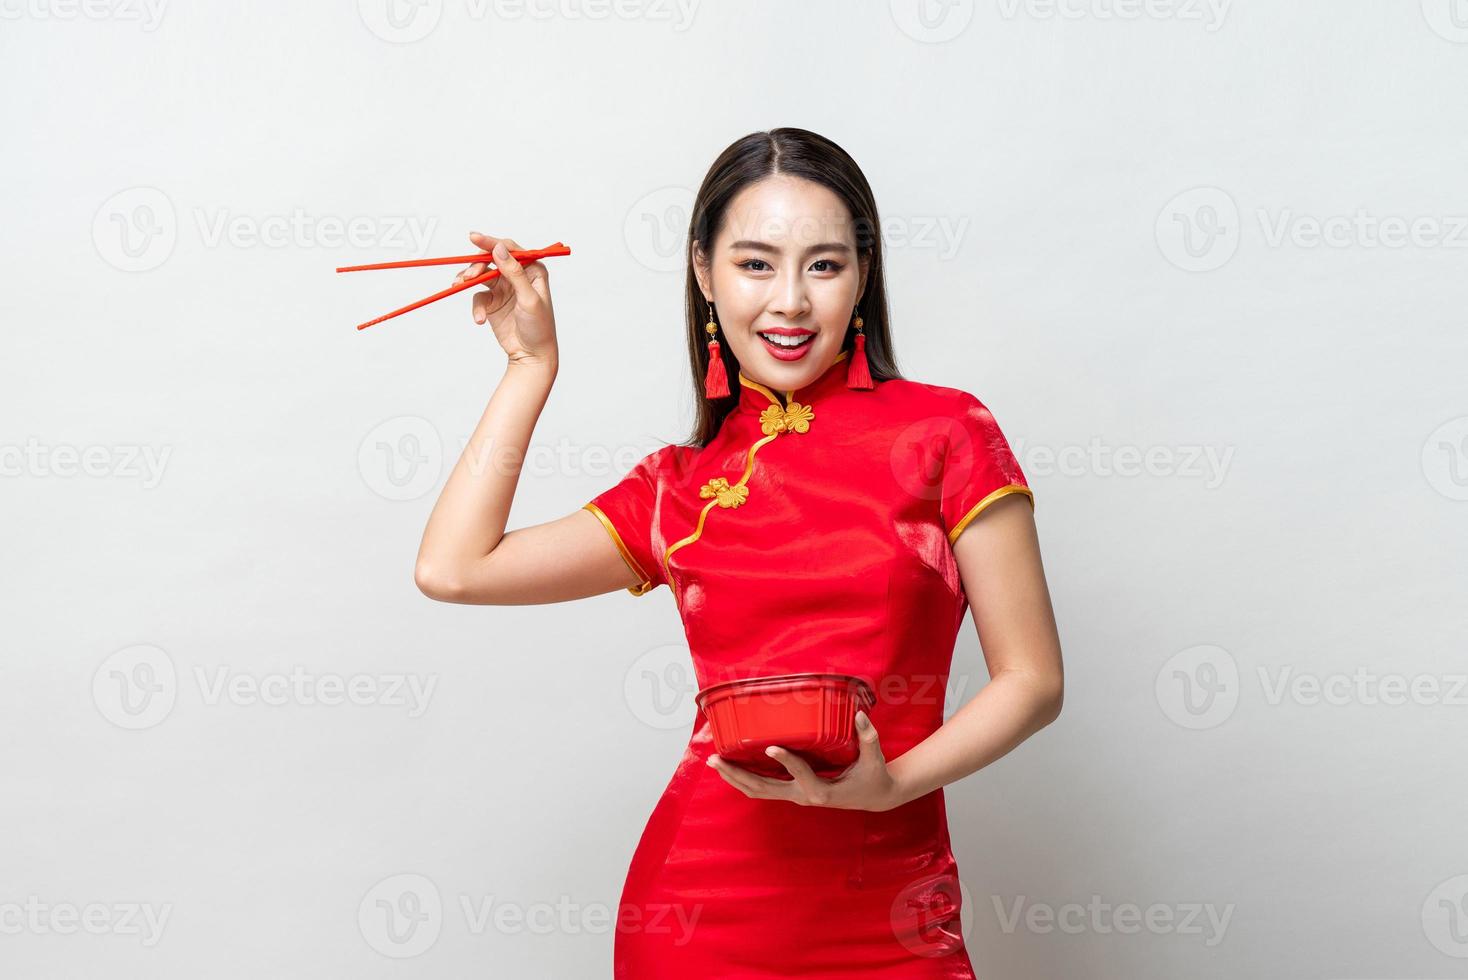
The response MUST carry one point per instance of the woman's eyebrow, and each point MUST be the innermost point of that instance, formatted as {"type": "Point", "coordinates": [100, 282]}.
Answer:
{"type": "Point", "coordinates": [767, 247]}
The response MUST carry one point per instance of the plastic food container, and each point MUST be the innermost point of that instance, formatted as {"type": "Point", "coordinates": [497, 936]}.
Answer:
{"type": "Point", "coordinates": [812, 715]}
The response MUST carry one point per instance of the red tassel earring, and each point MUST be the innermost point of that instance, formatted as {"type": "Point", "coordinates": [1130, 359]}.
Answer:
{"type": "Point", "coordinates": [857, 373]}
{"type": "Point", "coordinates": [716, 381]}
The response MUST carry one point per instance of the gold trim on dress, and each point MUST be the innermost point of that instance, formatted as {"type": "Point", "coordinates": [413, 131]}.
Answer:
{"type": "Point", "coordinates": [789, 394]}
{"type": "Point", "coordinates": [777, 418]}
{"type": "Point", "coordinates": [644, 584]}
{"type": "Point", "coordinates": [725, 495]}
{"type": "Point", "coordinates": [740, 484]}
{"type": "Point", "coordinates": [978, 507]}
{"type": "Point", "coordinates": [758, 387]}
{"type": "Point", "coordinates": [794, 417]}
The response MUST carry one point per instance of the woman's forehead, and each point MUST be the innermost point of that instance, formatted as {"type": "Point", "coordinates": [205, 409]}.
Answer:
{"type": "Point", "coordinates": [786, 214]}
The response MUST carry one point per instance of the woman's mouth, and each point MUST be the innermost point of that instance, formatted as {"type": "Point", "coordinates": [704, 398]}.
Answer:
{"type": "Point", "coordinates": [787, 347]}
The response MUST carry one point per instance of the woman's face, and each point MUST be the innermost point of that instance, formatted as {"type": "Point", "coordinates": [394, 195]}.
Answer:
{"type": "Point", "coordinates": [783, 269]}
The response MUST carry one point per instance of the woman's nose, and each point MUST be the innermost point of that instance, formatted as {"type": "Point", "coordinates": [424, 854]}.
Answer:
{"type": "Point", "coordinates": [789, 297]}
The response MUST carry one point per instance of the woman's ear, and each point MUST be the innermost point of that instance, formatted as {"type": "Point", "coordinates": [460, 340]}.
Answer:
{"type": "Point", "coordinates": [700, 261]}
{"type": "Point", "coordinates": [864, 262]}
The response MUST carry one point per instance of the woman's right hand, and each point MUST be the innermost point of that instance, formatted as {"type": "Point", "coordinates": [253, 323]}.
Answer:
{"type": "Point", "coordinates": [517, 304]}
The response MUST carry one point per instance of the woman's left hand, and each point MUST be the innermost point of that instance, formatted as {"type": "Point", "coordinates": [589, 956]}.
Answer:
{"type": "Point", "coordinates": [867, 784]}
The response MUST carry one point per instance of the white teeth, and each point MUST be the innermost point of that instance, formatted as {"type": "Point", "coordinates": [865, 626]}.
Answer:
{"type": "Point", "coordinates": [787, 341]}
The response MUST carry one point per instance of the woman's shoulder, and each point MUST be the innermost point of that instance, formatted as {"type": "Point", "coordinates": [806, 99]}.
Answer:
{"type": "Point", "coordinates": [667, 465]}
{"type": "Point", "coordinates": [929, 398]}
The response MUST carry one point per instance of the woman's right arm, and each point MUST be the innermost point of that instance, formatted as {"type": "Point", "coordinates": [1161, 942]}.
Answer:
{"type": "Point", "coordinates": [466, 555]}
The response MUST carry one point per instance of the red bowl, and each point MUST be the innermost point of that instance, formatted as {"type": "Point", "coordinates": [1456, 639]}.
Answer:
{"type": "Point", "coordinates": [812, 715]}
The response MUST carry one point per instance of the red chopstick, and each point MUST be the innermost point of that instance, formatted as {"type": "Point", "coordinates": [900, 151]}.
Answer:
{"type": "Point", "coordinates": [524, 255]}
{"type": "Point", "coordinates": [527, 255]}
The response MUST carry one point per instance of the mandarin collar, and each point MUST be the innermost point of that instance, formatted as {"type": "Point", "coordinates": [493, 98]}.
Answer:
{"type": "Point", "coordinates": [755, 397]}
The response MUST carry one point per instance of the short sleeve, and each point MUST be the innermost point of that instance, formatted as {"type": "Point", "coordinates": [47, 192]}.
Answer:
{"type": "Point", "coordinates": [979, 467]}
{"type": "Point", "coordinates": [627, 512]}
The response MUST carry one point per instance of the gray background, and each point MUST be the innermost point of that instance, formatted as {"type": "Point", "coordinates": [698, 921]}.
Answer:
{"type": "Point", "coordinates": [1147, 235]}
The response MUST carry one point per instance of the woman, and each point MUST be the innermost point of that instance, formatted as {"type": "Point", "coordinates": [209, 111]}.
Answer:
{"type": "Point", "coordinates": [827, 515]}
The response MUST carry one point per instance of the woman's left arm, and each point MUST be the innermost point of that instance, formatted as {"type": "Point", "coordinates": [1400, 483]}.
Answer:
{"type": "Point", "coordinates": [998, 557]}
{"type": "Point", "coordinates": [999, 560]}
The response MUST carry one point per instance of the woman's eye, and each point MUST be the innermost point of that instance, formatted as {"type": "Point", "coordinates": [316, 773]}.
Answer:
{"type": "Point", "coordinates": [830, 265]}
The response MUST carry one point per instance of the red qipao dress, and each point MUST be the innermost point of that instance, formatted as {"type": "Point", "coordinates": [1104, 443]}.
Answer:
{"type": "Point", "coordinates": [813, 533]}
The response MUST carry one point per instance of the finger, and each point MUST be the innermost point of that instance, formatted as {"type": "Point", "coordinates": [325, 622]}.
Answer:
{"type": "Point", "coordinates": [511, 269]}
{"type": "Point", "coordinates": [766, 787]}
{"type": "Point", "coordinates": [751, 785]}
{"type": "Point", "coordinates": [729, 774]}
{"type": "Point", "coordinates": [870, 743]}
{"type": "Point", "coordinates": [535, 270]}
{"type": "Point", "coordinates": [488, 302]}
{"type": "Point", "coordinates": [484, 243]}
{"type": "Point", "coordinates": [471, 270]}
{"type": "Point", "coordinates": [536, 273]}
{"type": "Point", "coordinates": [810, 784]}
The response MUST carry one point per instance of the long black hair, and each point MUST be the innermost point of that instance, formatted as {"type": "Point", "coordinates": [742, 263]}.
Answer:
{"type": "Point", "coordinates": [798, 153]}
